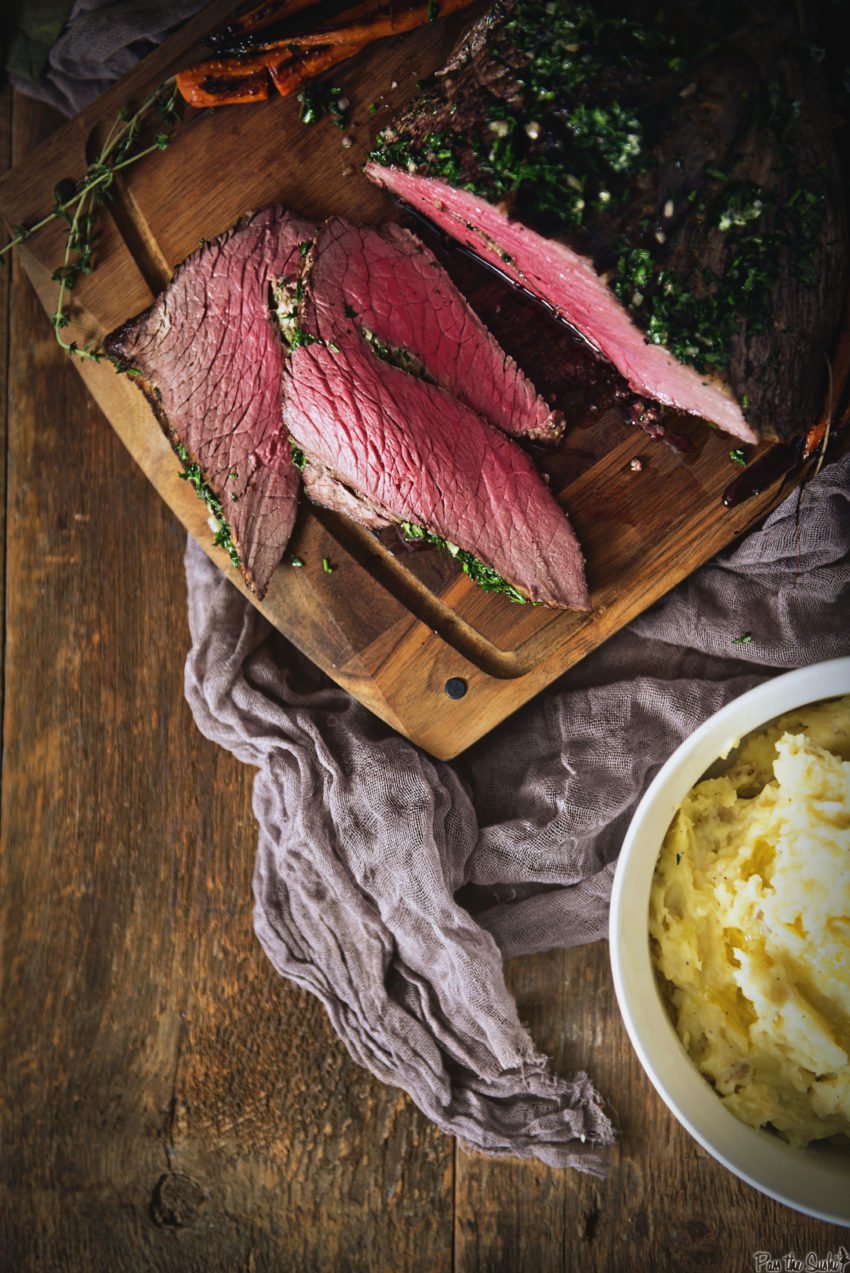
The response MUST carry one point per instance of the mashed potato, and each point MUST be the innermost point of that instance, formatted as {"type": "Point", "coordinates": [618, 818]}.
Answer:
{"type": "Point", "coordinates": [750, 925]}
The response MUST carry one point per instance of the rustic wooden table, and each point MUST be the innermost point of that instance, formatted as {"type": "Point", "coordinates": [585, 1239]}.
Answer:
{"type": "Point", "coordinates": [170, 1104]}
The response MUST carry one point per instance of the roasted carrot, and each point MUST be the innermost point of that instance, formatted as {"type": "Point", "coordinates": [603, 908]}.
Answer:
{"type": "Point", "coordinates": [227, 80]}
{"type": "Point", "coordinates": [255, 19]}
{"type": "Point", "coordinates": [288, 77]}
{"type": "Point", "coordinates": [231, 81]}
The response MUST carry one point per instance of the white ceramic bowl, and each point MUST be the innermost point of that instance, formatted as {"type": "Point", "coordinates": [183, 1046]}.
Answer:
{"type": "Point", "coordinates": [815, 1181]}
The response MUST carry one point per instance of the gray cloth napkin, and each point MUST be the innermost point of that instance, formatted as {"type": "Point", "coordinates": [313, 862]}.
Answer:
{"type": "Point", "coordinates": [101, 41]}
{"type": "Point", "coordinates": [393, 886]}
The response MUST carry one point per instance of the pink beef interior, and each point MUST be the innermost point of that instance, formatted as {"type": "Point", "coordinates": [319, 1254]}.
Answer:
{"type": "Point", "coordinates": [211, 350]}
{"type": "Point", "coordinates": [569, 284]}
{"type": "Point", "coordinates": [418, 454]}
{"type": "Point", "coordinates": [400, 293]}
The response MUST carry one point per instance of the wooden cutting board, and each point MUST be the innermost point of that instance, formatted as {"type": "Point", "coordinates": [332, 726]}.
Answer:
{"type": "Point", "coordinates": [405, 632]}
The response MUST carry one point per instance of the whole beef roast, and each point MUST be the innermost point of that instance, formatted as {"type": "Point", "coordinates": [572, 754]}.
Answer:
{"type": "Point", "coordinates": [209, 357]}
{"type": "Point", "coordinates": [392, 446]}
{"type": "Point", "coordinates": [664, 179]}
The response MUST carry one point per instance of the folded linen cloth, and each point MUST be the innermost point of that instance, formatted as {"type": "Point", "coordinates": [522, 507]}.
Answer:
{"type": "Point", "coordinates": [101, 41]}
{"type": "Point", "coordinates": [393, 886]}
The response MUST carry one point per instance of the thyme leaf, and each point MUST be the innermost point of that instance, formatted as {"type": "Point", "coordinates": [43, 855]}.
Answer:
{"type": "Point", "coordinates": [76, 203]}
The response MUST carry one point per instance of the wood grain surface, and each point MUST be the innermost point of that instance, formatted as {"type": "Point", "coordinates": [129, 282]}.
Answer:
{"type": "Point", "coordinates": [168, 1103]}
{"type": "Point", "coordinates": [391, 627]}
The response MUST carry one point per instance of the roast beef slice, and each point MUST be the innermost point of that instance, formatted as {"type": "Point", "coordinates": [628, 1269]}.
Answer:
{"type": "Point", "coordinates": [416, 453]}
{"type": "Point", "coordinates": [210, 358]}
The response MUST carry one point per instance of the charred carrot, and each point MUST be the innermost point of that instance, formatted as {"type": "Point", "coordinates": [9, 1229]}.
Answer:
{"type": "Point", "coordinates": [227, 80]}
{"type": "Point", "coordinates": [288, 77]}
{"type": "Point", "coordinates": [256, 19]}
{"type": "Point", "coordinates": [231, 81]}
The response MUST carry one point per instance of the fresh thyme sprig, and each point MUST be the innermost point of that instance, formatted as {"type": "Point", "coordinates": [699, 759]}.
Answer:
{"type": "Point", "coordinates": [79, 208]}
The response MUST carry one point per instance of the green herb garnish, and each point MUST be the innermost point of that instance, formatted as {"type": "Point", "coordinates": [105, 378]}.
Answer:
{"type": "Point", "coordinates": [319, 100]}
{"type": "Point", "coordinates": [192, 473]}
{"type": "Point", "coordinates": [77, 202]}
{"type": "Point", "coordinates": [744, 639]}
{"type": "Point", "coordinates": [479, 573]}
{"type": "Point", "coordinates": [396, 355]}
{"type": "Point", "coordinates": [569, 133]}
{"type": "Point", "coordinates": [298, 337]}
{"type": "Point", "coordinates": [736, 455]}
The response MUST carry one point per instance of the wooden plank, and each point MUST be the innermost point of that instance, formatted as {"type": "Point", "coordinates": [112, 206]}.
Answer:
{"type": "Point", "coordinates": [5, 295]}
{"type": "Point", "coordinates": [169, 1103]}
{"type": "Point", "coordinates": [666, 1205]}
{"type": "Point", "coordinates": [424, 623]}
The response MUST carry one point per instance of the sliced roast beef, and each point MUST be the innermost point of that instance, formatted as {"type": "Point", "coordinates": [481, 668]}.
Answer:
{"type": "Point", "coordinates": [412, 313]}
{"type": "Point", "coordinates": [209, 356]}
{"type": "Point", "coordinates": [412, 451]}
{"type": "Point", "coordinates": [322, 487]}
{"type": "Point", "coordinates": [664, 180]}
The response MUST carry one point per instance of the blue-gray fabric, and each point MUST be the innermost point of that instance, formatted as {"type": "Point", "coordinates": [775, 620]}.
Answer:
{"type": "Point", "coordinates": [393, 886]}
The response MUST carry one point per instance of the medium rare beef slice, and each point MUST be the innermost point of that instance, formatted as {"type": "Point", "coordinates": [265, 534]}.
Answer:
{"type": "Point", "coordinates": [414, 454]}
{"type": "Point", "coordinates": [322, 487]}
{"type": "Point", "coordinates": [668, 186]}
{"type": "Point", "coordinates": [410, 310]}
{"type": "Point", "coordinates": [209, 356]}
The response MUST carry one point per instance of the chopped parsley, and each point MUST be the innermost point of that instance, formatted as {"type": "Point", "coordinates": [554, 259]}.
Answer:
{"type": "Point", "coordinates": [744, 639]}
{"type": "Point", "coordinates": [570, 135]}
{"type": "Point", "coordinates": [318, 100]}
{"type": "Point", "coordinates": [286, 296]}
{"type": "Point", "coordinates": [396, 355]}
{"type": "Point", "coordinates": [223, 535]}
{"type": "Point", "coordinates": [479, 573]}
{"type": "Point", "coordinates": [298, 337]}
{"type": "Point", "coordinates": [736, 455]}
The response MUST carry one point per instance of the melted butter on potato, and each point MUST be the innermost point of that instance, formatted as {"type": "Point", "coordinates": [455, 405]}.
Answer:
{"type": "Point", "coordinates": [750, 925]}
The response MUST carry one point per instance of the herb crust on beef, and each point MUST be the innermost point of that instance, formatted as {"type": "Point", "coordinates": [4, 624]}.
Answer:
{"type": "Point", "coordinates": [664, 179]}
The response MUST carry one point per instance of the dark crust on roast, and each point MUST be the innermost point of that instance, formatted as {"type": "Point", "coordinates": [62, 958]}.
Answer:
{"type": "Point", "coordinates": [727, 123]}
